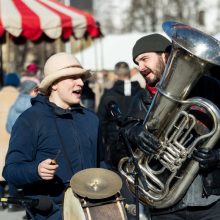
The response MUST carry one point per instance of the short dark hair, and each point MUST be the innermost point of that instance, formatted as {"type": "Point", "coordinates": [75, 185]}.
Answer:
{"type": "Point", "coordinates": [122, 68]}
{"type": "Point", "coordinates": [121, 64]}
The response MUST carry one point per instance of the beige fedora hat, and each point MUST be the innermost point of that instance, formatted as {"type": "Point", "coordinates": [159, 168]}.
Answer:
{"type": "Point", "coordinates": [61, 65]}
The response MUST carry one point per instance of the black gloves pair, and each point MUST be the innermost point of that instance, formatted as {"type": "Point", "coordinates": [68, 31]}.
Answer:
{"type": "Point", "coordinates": [139, 137]}
{"type": "Point", "coordinates": [207, 158]}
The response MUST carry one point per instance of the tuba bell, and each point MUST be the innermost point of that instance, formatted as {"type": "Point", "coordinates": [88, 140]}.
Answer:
{"type": "Point", "coordinates": [176, 121]}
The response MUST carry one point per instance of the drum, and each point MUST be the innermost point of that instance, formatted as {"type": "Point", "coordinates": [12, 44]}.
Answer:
{"type": "Point", "coordinates": [78, 208]}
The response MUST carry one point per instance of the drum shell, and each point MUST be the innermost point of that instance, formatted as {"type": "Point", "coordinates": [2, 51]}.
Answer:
{"type": "Point", "coordinates": [76, 208]}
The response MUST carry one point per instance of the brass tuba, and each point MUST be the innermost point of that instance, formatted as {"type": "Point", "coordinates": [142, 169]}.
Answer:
{"type": "Point", "coordinates": [169, 173]}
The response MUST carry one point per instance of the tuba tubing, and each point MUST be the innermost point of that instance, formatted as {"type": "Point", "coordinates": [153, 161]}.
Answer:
{"type": "Point", "coordinates": [169, 173]}
{"type": "Point", "coordinates": [179, 189]}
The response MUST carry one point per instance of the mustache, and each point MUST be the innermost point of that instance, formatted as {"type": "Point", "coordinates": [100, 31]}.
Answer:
{"type": "Point", "coordinates": [146, 71]}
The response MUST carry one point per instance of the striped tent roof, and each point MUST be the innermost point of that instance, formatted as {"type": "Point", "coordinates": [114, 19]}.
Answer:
{"type": "Point", "coordinates": [32, 18]}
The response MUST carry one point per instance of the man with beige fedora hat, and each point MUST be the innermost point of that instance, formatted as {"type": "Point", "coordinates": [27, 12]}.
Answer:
{"type": "Point", "coordinates": [56, 126]}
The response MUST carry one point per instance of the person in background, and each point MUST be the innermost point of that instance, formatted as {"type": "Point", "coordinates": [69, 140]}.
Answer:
{"type": "Point", "coordinates": [88, 96]}
{"type": "Point", "coordinates": [56, 125]}
{"type": "Point", "coordinates": [31, 73]}
{"type": "Point", "coordinates": [122, 95]}
{"type": "Point", "coordinates": [136, 76]}
{"type": "Point", "coordinates": [202, 199]}
{"type": "Point", "coordinates": [101, 82]}
{"type": "Point", "coordinates": [27, 90]}
{"type": "Point", "coordinates": [8, 95]}
{"type": "Point", "coordinates": [31, 69]}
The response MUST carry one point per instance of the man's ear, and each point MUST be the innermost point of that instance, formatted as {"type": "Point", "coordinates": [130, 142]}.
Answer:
{"type": "Point", "coordinates": [54, 87]}
{"type": "Point", "coordinates": [165, 57]}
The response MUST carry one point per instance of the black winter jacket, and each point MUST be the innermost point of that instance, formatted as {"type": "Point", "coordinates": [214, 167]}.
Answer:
{"type": "Point", "coordinates": [110, 128]}
{"type": "Point", "coordinates": [207, 87]}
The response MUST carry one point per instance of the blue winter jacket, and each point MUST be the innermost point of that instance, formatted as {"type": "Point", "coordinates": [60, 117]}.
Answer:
{"type": "Point", "coordinates": [39, 133]}
{"type": "Point", "coordinates": [22, 103]}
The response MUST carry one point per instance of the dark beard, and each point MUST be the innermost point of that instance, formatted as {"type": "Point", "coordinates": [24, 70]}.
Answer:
{"type": "Point", "coordinates": [154, 81]}
{"type": "Point", "coordinates": [157, 75]}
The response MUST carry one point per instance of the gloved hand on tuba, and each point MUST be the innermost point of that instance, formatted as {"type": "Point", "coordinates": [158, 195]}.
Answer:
{"type": "Point", "coordinates": [207, 158]}
{"type": "Point", "coordinates": [140, 137]}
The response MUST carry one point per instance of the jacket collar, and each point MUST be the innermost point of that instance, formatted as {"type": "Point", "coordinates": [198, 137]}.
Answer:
{"type": "Point", "coordinates": [60, 111]}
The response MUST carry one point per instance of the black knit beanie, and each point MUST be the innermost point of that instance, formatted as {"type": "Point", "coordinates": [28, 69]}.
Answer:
{"type": "Point", "coordinates": [150, 43]}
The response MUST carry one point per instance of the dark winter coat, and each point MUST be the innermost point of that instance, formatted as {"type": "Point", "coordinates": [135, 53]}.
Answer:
{"type": "Point", "coordinates": [110, 128]}
{"type": "Point", "coordinates": [39, 133]}
{"type": "Point", "coordinates": [207, 87]}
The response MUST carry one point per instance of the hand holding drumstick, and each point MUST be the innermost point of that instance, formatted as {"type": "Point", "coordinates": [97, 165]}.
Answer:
{"type": "Point", "coordinates": [47, 168]}
{"type": "Point", "coordinates": [53, 161]}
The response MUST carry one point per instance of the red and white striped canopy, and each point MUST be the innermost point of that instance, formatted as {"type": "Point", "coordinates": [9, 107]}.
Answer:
{"type": "Point", "coordinates": [32, 18]}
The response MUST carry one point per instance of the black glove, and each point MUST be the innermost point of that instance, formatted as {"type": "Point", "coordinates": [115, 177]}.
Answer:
{"type": "Point", "coordinates": [138, 136]}
{"type": "Point", "coordinates": [206, 158]}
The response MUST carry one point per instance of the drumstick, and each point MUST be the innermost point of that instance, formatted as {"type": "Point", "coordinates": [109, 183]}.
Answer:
{"type": "Point", "coordinates": [53, 161]}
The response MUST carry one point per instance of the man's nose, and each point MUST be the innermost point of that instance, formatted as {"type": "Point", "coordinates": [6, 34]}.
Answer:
{"type": "Point", "coordinates": [141, 67]}
{"type": "Point", "coordinates": [80, 82]}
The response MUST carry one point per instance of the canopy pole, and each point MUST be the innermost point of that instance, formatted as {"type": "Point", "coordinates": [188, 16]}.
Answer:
{"type": "Point", "coordinates": [7, 59]}
{"type": "Point", "coordinates": [82, 51]}
{"type": "Point", "coordinates": [96, 55]}
{"type": "Point", "coordinates": [102, 53]}
{"type": "Point", "coordinates": [1, 68]}
{"type": "Point", "coordinates": [68, 48]}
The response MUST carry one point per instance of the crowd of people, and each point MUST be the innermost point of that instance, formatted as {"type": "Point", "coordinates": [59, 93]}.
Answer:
{"type": "Point", "coordinates": [59, 112]}
{"type": "Point", "coordinates": [15, 95]}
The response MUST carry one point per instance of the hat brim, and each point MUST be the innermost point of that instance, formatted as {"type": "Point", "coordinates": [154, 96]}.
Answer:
{"type": "Point", "coordinates": [48, 80]}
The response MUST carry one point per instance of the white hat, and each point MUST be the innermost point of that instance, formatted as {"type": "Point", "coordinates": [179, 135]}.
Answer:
{"type": "Point", "coordinates": [61, 65]}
